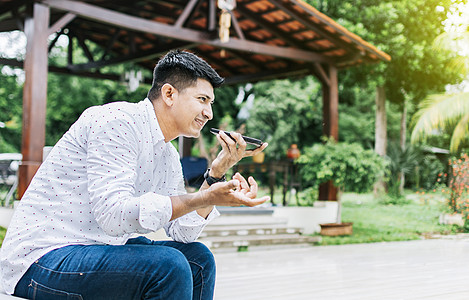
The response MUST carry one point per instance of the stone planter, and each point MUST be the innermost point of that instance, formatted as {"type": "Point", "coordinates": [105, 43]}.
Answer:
{"type": "Point", "coordinates": [336, 229]}
{"type": "Point", "coordinates": [452, 219]}
{"type": "Point", "coordinates": [308, 217]}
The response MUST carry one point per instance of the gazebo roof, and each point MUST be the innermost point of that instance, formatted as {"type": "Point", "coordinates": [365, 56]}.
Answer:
{"type": "Point", "coordinates": [268, 38]}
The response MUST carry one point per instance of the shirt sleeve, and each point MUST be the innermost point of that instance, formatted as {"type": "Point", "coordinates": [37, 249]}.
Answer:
{"type": "Point", "coordinates": [187, 228]}
{"type": "Point", "coordinates": [112, 172]}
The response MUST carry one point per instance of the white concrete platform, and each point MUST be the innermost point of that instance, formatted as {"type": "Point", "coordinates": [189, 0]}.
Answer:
{"type": "Point", "coordinates": [416, 270]}
{"type": "Point", "coordinates": [424, 269]}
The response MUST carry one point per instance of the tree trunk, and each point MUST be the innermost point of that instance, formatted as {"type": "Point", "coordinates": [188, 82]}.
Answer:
{"type": "Point", "coordinates": [402, 141]}
{"type": "Point", "coordinates": [380, 132]}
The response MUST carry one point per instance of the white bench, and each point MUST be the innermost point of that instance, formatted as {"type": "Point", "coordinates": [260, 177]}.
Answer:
{"type": "Point", "coordinates": [4, 296]}
{"type": "Point", "coordinates": [8, 297]}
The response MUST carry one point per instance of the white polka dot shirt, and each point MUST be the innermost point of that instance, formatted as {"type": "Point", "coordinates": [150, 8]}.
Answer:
{"type": "Point", "coordinates": [110, 176]}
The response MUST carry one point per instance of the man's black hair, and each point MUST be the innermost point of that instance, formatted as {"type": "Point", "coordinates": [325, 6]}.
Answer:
{"type": "Point", "coordinates": [181, 69]}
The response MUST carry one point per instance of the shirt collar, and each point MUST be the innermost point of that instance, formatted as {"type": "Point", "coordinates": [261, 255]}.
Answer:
{"type": "Point", "coordinates": [155, 128]}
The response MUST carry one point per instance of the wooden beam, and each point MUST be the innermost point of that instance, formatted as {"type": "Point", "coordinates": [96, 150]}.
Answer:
{"type": "Point", "coordinates": [331, 104]}
{"type": "Point", "coordinates": [236, 26]}
{"type": "Point", "coordinates": [107, 16]}
{"type": "Point", "coordinates": [84, 47]}
{"type": "Point", "coordinates": [66, 71]}
{"type": "Point", "coordinates": [67, 18]}
{"type": "Point", "coordinates": [139, 56]}
{"type": "Point", "coordinates": [186, 13]}
{"type": "Point", "coordinates": [54, 41]}
{"type": "Point", "coordinates": [268, 75]}
{"type": "Point", "coordinates": [70, 48]}
{"type": "Point", "coordinates": [211, 16]}
{"type": "Point", "coordinates": [9, 25]}
{"type": "Point", "coordinates": [322, 76]}
{"type": "Point", "coordinates": [34, 95]}
{"type": "Point", "coordinates": [111, 42]}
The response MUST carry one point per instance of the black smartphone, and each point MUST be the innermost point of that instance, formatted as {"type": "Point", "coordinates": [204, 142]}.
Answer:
{"type": "Point", "coordinates": [248, 140]}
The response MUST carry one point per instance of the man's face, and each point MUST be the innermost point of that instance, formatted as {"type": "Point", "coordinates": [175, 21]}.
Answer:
{"type": "Point", "coordinates": [193, 108]}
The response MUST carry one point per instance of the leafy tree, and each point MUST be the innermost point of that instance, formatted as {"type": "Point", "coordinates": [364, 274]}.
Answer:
{"type": "Point", "coordinates": [442, 112]}
{"type": "Point", "coordinates": [69, 96]}
{"type": "Point", "coordinates": [11, 95]}
{"type": "Point", "coordinates": [405, 29]}
{"type": "Point", "coordinates": [286, 112]}
{"type": "Point", "coordinates": [447, 112]}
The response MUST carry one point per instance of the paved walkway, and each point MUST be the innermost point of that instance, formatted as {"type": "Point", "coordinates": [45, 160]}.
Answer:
{"type": "Point", "coordinates": [424, 269]}
{"type": "Point", "coordinates": [427, 269]}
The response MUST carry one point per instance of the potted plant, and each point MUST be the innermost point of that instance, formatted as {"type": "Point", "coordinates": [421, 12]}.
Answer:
{"type": "Point", "coordinates": [348, 166]}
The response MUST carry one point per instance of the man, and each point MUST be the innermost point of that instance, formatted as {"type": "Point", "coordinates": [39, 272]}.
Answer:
{"type": "Point", "coordinates": [115, 174]}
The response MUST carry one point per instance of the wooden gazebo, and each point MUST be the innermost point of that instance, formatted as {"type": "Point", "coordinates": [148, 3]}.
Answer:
{"type": "Point", "coordinates": [261, 39]}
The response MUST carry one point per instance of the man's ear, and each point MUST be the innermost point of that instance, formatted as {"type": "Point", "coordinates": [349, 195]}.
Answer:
{"type": "Point", "coordinates": [168, 93]}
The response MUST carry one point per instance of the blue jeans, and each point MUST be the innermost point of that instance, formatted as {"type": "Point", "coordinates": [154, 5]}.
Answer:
{"type": "Point", "coordinates": [140, 269]}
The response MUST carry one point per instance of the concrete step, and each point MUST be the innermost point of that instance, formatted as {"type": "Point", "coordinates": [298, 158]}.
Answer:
{"type": "Point", "coordinates": [244, 230]}
{"type": "Point", "coordinates": [231, 220]}
{"type": "Point", "coordinates": [227, 210]}
{"type": "Point", "coordinates": [237, 242]}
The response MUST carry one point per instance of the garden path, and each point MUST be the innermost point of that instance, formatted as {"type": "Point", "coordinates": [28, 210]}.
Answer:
{"type": "Point", "coordinates": [423, 269]}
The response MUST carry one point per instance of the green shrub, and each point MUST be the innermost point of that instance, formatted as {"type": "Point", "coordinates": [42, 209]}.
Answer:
{"type": "Point", "coordinates": [348, 165]}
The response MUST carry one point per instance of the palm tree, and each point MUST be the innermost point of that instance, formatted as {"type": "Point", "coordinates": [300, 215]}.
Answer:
{"type": "Point", "coordinates": [440, 112]}
{"type": "Point", "coordinates": [446, 111]}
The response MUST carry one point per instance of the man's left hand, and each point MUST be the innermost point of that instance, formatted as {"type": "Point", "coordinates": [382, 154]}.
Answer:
{"type": "Point", "coordinates": [232, 152]}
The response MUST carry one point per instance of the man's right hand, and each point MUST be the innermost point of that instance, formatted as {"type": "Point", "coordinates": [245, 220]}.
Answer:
{"type": "Point", "coordinates": [236, 192]}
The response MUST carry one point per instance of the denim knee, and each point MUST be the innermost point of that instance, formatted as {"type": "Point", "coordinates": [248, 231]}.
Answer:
{"type": "Point", "coordinates": [177, 267]}
{"type": "Point", "coordinates": [204, 257]}
{"type": "Point", "coordinates": [173, 280]}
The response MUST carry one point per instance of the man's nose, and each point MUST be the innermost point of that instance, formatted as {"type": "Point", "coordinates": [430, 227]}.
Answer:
{"type": "Point", "coordinates": [207, 112]}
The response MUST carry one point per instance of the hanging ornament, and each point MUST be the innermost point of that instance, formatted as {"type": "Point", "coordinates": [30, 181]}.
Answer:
{"type": "Point", "coordinates": [225, 23]}
{"type": "Point", "coordinates": [226, 4]}
{"type": "Point", "coordinates": [226, 7]}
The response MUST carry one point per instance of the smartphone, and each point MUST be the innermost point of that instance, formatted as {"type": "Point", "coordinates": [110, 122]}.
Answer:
{"type": "Point", "coordinates": [248, 140]}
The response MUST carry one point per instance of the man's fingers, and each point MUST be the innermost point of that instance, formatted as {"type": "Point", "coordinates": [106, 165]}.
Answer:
{"type": "Point", "coordinates": [234, 183]}
{"type": "Point", "coordinates": [254, 186]}
{"type": "Point", "coordinates": [239, 139]}
{"type": "Point", "coordinates": [258, 201]}
{"type": "Point", "coordinates": [242, 180]}
{"type": "Point", "coordinates": [257, 150]}
{"type": "Point", "coordinates": [229, 141]}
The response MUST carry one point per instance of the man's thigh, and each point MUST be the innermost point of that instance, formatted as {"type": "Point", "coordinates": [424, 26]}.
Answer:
{"type": "Point", "coordinates": [200, 259]}
{"type": "Point", "coordinates": [132, 271]}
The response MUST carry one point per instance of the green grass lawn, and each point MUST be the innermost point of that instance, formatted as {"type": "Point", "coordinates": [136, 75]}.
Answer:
{"type": "Point", "coordinates": [374, 221]}
{"type": "Point", "coordinates": [3, 231]}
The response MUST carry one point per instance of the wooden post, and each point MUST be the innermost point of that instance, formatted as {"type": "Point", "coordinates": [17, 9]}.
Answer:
{"type": "Point", "coordinates": [330, 88]}
{"type": "Point", "coordinates": [185, 146]}
{"type": "Point", "coordinates": [34, 95]}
